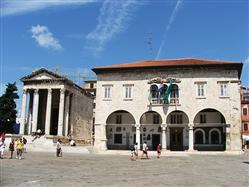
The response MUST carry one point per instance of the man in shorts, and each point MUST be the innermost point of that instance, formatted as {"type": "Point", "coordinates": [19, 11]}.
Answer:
{"type": "Point", "coordinates": [145, 150]}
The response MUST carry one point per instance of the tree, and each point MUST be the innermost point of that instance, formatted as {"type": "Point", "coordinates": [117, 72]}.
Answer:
{"type": "Point", "coordinates": [8, 108]}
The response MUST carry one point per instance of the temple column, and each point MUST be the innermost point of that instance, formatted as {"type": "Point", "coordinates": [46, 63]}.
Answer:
{"type": "Point", "coordinates": [164, 138]}
{"type": "Point", "coordinates": [35, 110]}
{"type": "Point", "coordinates": [138, 135]}
{"type": "Point", "coordinates": [61, 112]}
{"type": "Point", "coordinates": [31, 96]}
{"type": "Point", "coordinates": [48, 112]}
{"type": "Point", "coordinates": [191, 138]}
{"type": "Point", "coordinates": [67, 105]}
{"type": "Point", "coordinates": [23, 112]}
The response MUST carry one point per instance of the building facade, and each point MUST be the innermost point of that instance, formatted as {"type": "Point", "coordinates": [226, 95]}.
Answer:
{"type": "Point", "coordinates": [56, 106]}
{"type": "Point", "coordinates": [184, 104]}
{"type": "Point", "coordinates": [245, 117]}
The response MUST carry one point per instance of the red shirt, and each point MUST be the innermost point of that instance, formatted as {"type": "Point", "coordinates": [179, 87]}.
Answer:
{"type": "Point", "coordinates": [3, 136]}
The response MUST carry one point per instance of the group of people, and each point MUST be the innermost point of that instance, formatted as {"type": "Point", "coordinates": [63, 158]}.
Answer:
{"type": "Point", "coordinates": [18, 145]}
{"type": "Point", "coordinates": [145, 148]}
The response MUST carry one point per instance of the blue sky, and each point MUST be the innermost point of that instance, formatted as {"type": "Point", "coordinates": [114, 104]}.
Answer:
{"type": "Point", "coordinates": [73, 36]}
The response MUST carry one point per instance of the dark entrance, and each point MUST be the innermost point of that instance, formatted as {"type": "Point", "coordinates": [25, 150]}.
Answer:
{"type": "Point", "coordinates": [155, 140]}
{"type": "Point", "coordinates": [176, 139]}
{"type": "Point", "coordinates": [54, 121]}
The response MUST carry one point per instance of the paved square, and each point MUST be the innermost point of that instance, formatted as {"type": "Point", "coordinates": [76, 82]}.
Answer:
{"type": "Point", "coordinates": [44, 169]}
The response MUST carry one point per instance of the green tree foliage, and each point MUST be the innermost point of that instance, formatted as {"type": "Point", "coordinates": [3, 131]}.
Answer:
{"type": "Point", "coordinates": [8, 108]}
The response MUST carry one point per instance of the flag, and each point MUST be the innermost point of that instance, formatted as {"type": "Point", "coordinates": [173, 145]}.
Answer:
{"type": "Point", "coordinates": [166, 96]}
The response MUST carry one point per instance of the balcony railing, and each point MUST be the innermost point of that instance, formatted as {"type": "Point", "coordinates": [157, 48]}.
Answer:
{"type": "Point", "coordinates": [157, 101]}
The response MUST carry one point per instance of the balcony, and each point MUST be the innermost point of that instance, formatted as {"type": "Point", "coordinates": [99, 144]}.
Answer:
{"type": "Point", "coordinates": [157, 101]}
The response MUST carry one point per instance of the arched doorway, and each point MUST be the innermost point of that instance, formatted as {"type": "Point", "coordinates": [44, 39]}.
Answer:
{"type": "Point", "coordinates": [120, 130]}
{"type": "Point", "coordinates": [151, 129]}
{"type": "Point", "coordinates": [178, 129]}
{"type": "Point", "coordinates": [212, 123]}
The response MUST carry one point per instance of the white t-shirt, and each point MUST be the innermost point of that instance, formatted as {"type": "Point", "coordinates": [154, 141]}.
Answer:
{"type": "Point", "coordinates": [144, 147]}
{"type": "Point", "coordinates": [72, 142]}
{"type": "Point", "coordinates": [58, 145]}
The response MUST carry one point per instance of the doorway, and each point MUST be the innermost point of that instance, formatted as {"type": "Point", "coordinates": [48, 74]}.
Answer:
{"type": "Point", "coordinates": [176, 139]}
{"type": "Point", "coordinates": [155, 140]}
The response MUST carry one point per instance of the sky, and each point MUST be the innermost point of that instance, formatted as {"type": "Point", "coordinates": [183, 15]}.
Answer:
{"type": "Point", "coordinates": [73, 36]}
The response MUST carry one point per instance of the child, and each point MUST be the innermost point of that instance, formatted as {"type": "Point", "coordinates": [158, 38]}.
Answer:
{"type": "Point", "coordinates": [12, 148]}
{"type": "Point", "coordinates": [58, 148]}
{"type": "Point", "coordinates": [158, 150]}
{"type": "Point", "coordinates": [133, 154]}
{"type": "Point", "coordinates": [19, 148]}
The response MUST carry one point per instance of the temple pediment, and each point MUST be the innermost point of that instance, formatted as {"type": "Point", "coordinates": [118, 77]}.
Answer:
{"type": "Point", "coordinates": [42, 74]}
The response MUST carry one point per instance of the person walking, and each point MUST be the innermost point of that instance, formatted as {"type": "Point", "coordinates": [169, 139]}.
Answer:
{"type": "Point", "coordinates": [58, 148]}
{"type": "Point", "coordinates": [133, 154]}
{"type": "Point", "coordinates": [12, 148]}
{"type": "Point", "coordinates": [145, 150]}
{"type": "Point", "coordinates": [2, 148]}
{"type": "Point", "coordinates": [24, 140]}
{"type": "Point", "coordinates": [158, 150]}
{"type": "Point", "coordinates": [136, 149]}
{"type": "Point", "coordinates": [19, 148]}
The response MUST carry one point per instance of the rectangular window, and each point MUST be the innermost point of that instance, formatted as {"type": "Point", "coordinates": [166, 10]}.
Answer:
{"type": "Point", "coordinates": [127, 92]}
{"type": "Point", "coordinates": [117, 138]}
{"type": "Point", "coordinates": [200, 89]}
{"type": "Point", "coordinates": [91, 85]}
{"type": "Point", "coordinates": [223, 89]}
{"type": "Point", "coordinates": [245, 97]}
{"type": "Point", "coordinates": [203, 118]}
{"type": "Point", "coordinates": [245, 127]}
{"type": "Point", "coordinates": [244, 111]}
{"type": "Point", "coordinates": [118, 119]}
{"type": "Point", "coordinates": [107, 93]}
{"type": "Point", "coordinates": [155, 119]}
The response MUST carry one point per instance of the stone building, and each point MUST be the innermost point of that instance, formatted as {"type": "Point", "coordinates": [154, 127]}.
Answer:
{"type": "Point", "coordinates": [90, 86]}
{"type": "Point", "coordinates": [184, 104]}
{"type": "Point", "coordinates": [56, 106]}
{"type": "Point", "coordinates": [245, 116]}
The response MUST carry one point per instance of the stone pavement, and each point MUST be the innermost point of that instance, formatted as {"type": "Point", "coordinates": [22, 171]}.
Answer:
{"type": "Point", "coordinates": [44, 169]}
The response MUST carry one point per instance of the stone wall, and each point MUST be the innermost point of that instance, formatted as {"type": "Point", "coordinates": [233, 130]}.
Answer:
{"type": "Point", "coordinates": [81, 116]}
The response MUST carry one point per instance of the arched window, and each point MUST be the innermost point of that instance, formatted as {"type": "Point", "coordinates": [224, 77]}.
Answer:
{"type": "Point", "coordinates": [154, 91]}
{"type": "Point", "coordinates": [174, 94]}
{"type": "Point", "coordinates": [215, 136]}
{"type": "Point", "coordinates": [200, 136]}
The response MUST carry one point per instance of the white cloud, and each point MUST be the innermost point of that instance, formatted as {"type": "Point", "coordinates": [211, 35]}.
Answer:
{"type": "Point", "coordinates": [45, 38]}
{"type": "Point", "coordinates": [174, 13]}
{"type": "Point", "coordinates": [171, 20]}
{"type": "Point", "coordinates": [113, 19]}
{"type": "Point", "coordinates": [12, 7]}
